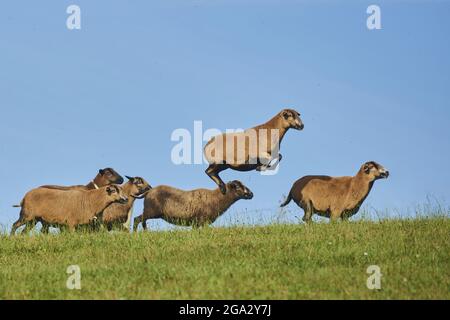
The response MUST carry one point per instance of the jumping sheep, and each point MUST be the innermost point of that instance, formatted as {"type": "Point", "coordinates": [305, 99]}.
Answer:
{"type": "Point", "coordinates": [195, 208]}
{"type": "Point", "coordinates": [69, 208]}
{"type": "Point", "coordinates": [253, 149]}
{"type": "Point", "coordinates": [335, 197]}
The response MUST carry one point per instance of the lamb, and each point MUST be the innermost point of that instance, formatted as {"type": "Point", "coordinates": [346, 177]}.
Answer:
{"type": "Point", "coordinates": [254, 149]}
{"type": "Point", "coordinates": [335, 197]}
{"type": "Point", "coordinates": [69, 208]}
{"type": "Point", "coordinates": [116, 215]}
{"type": "Point", "coordinates": [194, 208]}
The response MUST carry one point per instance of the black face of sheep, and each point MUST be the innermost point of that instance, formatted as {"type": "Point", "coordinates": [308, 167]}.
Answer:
{"type": "Point", "coordinates": [116, 193]}
{"type": "Point", "coordinates": [375, 170]}
{"type": "Point", "coordinates": [291, 118]}
{"type": "Point", "coordinates": [111, 176]}
{"type": "Point", "coordinates": [141, 186]}
{"type": "Point", "coordinates": [240, 190]}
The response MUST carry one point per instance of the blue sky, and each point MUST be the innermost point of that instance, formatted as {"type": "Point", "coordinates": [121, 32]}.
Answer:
{"type": "Point", "coordinates": [112, 93]}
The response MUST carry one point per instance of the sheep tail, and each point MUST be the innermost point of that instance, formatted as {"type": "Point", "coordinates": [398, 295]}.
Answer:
{"type": "Point", "coordinates": [288, 199]}
{"type": "Point", "coordinates": [18, 205]}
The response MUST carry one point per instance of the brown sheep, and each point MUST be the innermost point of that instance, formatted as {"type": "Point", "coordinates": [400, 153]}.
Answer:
{"type": "Point", "coordinates": [195, 208]}
{"type": "Point", "coordinates": [117, 214]}
{"type": "Point", "coordinates": [253, 149]}
{"type": "Point", "coordinates": [104, 177]}
{"type": "Point", "coordinates": [69, 208]}
{"type": "Point", "coordinates": [335, 197]}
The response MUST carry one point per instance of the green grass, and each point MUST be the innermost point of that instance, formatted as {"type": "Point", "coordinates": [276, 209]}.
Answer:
{"type": "Point", "coordinates": [320, 261]}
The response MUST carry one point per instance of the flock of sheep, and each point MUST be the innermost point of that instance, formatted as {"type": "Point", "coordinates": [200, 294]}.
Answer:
{"type": "Point", "coordinates": [108, 201]}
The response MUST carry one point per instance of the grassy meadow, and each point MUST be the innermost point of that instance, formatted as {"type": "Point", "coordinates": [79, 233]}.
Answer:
{"type": "Point", "coordinates": [318, 261]}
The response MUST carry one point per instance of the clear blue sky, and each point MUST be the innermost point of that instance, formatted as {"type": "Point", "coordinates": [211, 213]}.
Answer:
{"type": "Point", "coordinates": [111, 93]}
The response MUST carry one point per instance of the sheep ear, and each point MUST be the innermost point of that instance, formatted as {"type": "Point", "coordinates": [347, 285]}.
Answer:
{"type": "Point", "coordinates": [129, 178]}
{"type": "Point", "coordinates": [108, 190]}
{"type": "Point", "coordinates": [285, 114]}
{"type": "Point", "coordinates": [101, 171]}
{"type": "Point", "coordinates": [366, 168]}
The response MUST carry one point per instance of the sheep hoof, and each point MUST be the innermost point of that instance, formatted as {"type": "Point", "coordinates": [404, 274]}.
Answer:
{"type": "Point", "coordinates": [262, 168]}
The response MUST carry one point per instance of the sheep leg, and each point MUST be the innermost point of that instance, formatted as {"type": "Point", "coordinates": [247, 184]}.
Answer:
{"type": "Point", "coordinates": [213, 172]}
{"type": "Point", "coordinates": [137, 221]}
{"type": "Point", "coordinates": [144, 224]}
{"type": "Point", "coordinates": [267, 163]}
{"type": "Point", "coordinates": [335, 215]}
{"type": "Point", "coordinates": [45, 227]}
{"type": "Point", "coordinates": [264, 159]}
{"type": "Point", "coordinates": [28, 227]}
{"type": "Point", "coordinates": [309, 211]}
{"type": "Point", "coordinates": [71, 228]}
{"type": "Point", "coordinates": [116, 226]}
{"type": "Point", "coordinates": [20, 222]}
{"type": "Point", "coordinates": [274, 165]}
{"type": "Point", "coordinates": [126, 225]}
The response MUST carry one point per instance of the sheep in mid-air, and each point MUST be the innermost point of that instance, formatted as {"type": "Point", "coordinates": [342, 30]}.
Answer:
{"type": "Point", "coordinates": [254, 149]}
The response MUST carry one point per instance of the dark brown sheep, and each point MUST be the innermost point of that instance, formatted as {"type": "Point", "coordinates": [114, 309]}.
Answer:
{"type": "Point", "coordinates": [253, 149]}
{"type": "Point", "coordinates": [195, 208]}
{"type": "Point", "coordinates": [335, 197]}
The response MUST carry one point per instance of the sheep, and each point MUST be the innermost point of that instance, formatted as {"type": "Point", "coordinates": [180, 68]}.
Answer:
{"type": "Point", "coordinates": [335, 197]}
{"type": "Point", "coordinates": [117, 214]}
{"type": "Point", "coordinates": [103, 178]}
{"type": "Point", "coordinates": [194, 208]}
{"type": "Point", "coordinates": [69, 208]}
{"type": "Point", "coordinates": [254, 149]}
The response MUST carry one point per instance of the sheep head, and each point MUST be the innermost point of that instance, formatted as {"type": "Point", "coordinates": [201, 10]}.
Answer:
{"type": "Point", "coordinates": [290, 118]}
{"type": "Point", "coordinates": [115, 193]}
{"type": "Point", "coordinates": [108, 176]}
{"type": "Point", "coordinates": [374, 171]}
{"type": "Point", "coordinates": [238, 189]}
{"type": "Point", "coordinates": [140, 187]}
